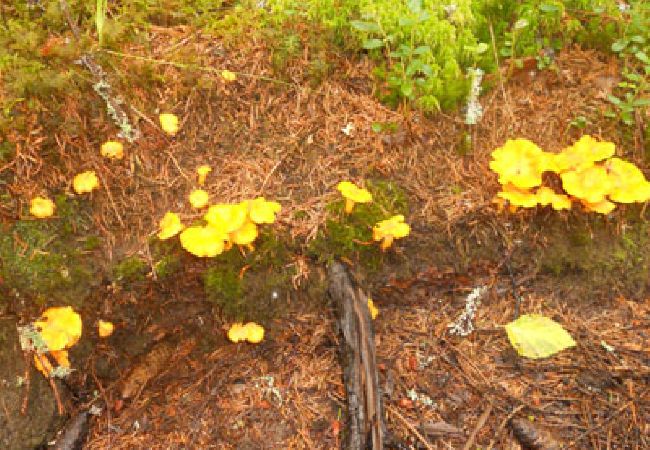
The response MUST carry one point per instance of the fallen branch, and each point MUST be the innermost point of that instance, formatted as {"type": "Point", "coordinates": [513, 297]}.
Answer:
{"type": "Point", "coordinates": [365, 419]}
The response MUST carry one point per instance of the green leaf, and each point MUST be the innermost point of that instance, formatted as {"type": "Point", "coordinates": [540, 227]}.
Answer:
{"type": "Point", "coordinates": [535, 336]}
{"type": "Point", "coordinates": [549, 8]}
{"type": "Point", "coordinates": [619, 45]}
{"type": "Point", "coordinates": [371, 44]}
{"type": "Point", "coordinates": [641, 56]}
{"type": "Point", "coordinates": [641, 102]}
{"type": "Point", "coordinates": [615, 100]}
{"type": "Point", "coordinates": [377, 127]}
{"type": "Point", "coordinates": [368, 27]}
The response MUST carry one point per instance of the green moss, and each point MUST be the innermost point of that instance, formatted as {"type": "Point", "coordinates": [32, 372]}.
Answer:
{"type": "Point", "coordinates": [246, 287]}
{"type": "Point", "coordinates": [350, 235]}
{"type": "Point", "coordinates": [130, 269]}
{"type": "Point", "coordinates": [594, 251]}
{"type": "Point", "coordinates": [166, 266]}
{"type": "Point", "coordinates": [37, 263]}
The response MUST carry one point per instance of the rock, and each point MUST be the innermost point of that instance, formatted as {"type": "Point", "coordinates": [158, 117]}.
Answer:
{"type": "Point", "coordinates": [21, 432]}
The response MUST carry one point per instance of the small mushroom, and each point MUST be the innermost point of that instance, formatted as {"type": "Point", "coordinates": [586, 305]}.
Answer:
{"type": "Point", "coordinates": [170, 226]}
{"type": "Point", "coordinates": [85, 182]}
{"type": "Point", "coordinates": [521, 163]}
{"type": "Point", "coordinates": [250, 332]}
{"type": "Point", "coordinates": [262, 211]}
{"type": "Point", "coordinates": [41, 207]}
{"type": "Point", "coordinates": [104, 328]}
{"type": "Point", "coordinates": [229, 76]}
{"type": "Point", "coordinates": [628, 184]}
{"type": "Point", "coordinates": [547, 196]}
{"type": "Point", "coordinates": [374, 311]}
{"type": "Point", "coordinates": [169, 123]}
{"type": "Point", "coordinates": [390, 229]}
{"type": "Point", "coordinates": [112, 150]}
{"type": "Point", "coordinates": [353, 194]}
{"type": "Point", "coordinates": [202, 172]}
{"type": "Point", "coordinates": [199, 198]}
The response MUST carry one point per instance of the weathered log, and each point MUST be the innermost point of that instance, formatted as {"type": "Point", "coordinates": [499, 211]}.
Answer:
{"type": "Point", "coordinates": [365, 428]}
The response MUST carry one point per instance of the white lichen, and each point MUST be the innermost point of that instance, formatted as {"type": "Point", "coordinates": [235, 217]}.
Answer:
{"type": "Point", "coordinates": [463, 326]}
{"type": "Point", "coordinates": [474, 108]}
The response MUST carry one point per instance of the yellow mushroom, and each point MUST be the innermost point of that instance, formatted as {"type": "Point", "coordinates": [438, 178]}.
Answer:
{"type": "Point", "coordinates": [204, 242]}
{"type": "Point", "coordinates": [199, 198]}
{"type": "Point", "coordinates": [602, 207]}
{"type": "Point", "coordinates": [262, 211]}
{"type": "Point", "coordinates": [591, 184]}
{"type": "Point", "coordinates": [202, 172]}
{"type": "Point", "coordinates": [170, 226]}
{"type": "Point", "coordinates": [254, 332]}
{"type": "Point", "coordinates": [353, 194]}
{"type": "Point", "coordinates": [112, 150]}
{"type": "Point", "coordinates": [250, 332]}
{"type": "Point", "coordinates": [169, 123]}
{"type": "Point", "coordinates": [245, 235]}
{"type": "Point", "coordinates": [59, 327]}
{"type": "Point", "coordinates": [518, 197]}
{"type": "Point", "coordinates": [374, 311]}
{"type": "Point", "coordinates": [228, 75]}
{"type": "Point", "coordinates": [628, 184]}
{"type": "Point", "coordinates": [41, 207]}
{"type": "Point", "coordinates": [547, 196]}
{"type": "Point", "coordinates": [390, 229]}
{"type": "Point", "coordinates": [226, 217]}
{"type": "Point", "coordinates": [104, 328]}
{"type": "Point", "coordinates": [521, 163]}
{"type": "Point", "coordinates": [583, 154]}
{"type": "Point", "coordinates": [85, 182]}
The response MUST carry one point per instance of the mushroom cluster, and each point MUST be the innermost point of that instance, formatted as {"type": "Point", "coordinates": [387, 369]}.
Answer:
{"type": "Point", "coordinates": [588, 171]}
{"type": "Point", "coordinates": [224, 225]}
{"type": "Point", "coordinates": [59, 329]}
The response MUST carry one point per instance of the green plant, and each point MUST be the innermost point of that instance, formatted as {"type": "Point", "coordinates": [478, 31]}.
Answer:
{"type": "Point", "coordinates": [101, 9]}
{"type": "Point", "coordinates": [633, 48]}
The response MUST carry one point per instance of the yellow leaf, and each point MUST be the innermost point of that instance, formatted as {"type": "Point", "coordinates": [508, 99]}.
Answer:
{"type": "Point", "coordinates": [535, 336]}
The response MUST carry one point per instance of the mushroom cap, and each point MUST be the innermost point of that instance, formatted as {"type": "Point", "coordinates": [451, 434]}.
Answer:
{"type": "Point", "coordinates": [603, 207]}
{"type": "Point", "coordinates": [374, 311]}
{"type": "Point", "coordinates": [583, 154]}
{"type": "Point", "coordinates": [226, 217]}
{"type": "Point", "coordinates": [60, 327]}
{"type": "Point", "coordinates": [112, 150]}
{"type": "Point", "coordinates": [262, 211]}
{"type": "Point", "coordinates": [547, 196]}
{"type": "Point", "coordinates": [85, 182]}
{"type": "Point", "coordinates": [41, 207]}
{"type": "Point", "coordinates": [518, 197]}
{"type": "Point", "coordinates": [353, 192]}
{"type": "Point", "coordinates": [237, 332]}
{"type": "Point", "coordinates": [204, 242]}
{"type": "Point", "coordinates": [394, 227]}
{"type": "Point", "coordinates": [629, 185]}
{"type": "Point", "coordinates": [254, 332]}
{"type": "Point", "coordinates": [169, 123]}
{"type": "Point", "coordinates": [170, 225]}
{"type": "Point", "coordinates": [203, 169]}
{"type": "Point", "coordinates": [104, 328]}
{"type": "Point", "coordinates": [245, 235]}
{"type": "Point", "coordinates": [591, 184]}
{"type": "Point", "coordinates": [228, 75]}
{"type": "Point", "coordinates": [521, 163]}
{"type": "Point", "coordinates": [199, 198]}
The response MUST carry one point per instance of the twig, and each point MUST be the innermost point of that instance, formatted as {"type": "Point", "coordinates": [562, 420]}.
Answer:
{"type": "Point", "coordinates": [411, 428]}
{"type": "Point", "coordinates": [477, 428]}
{"type": "Point", "coordinates": [28, 378]}
{"type": "Point", "coordinates": [503, 424]}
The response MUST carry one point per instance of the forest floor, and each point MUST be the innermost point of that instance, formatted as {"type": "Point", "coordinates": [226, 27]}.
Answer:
{"type": "Point", "coordinates": [195, 389]}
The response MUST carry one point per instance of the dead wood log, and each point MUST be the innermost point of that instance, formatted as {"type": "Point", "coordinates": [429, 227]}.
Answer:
{"type": "Point", "coordinates": [365, 428]}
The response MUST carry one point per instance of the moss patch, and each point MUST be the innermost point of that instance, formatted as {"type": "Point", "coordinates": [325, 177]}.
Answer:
{"type": "Point", "coordinates": [350, 235]}
{"type": "Point", "coordinates": [46, 260]}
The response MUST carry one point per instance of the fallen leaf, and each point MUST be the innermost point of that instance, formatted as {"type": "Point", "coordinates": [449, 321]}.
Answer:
{"type": "Point", "coordinates": [535, 336]}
